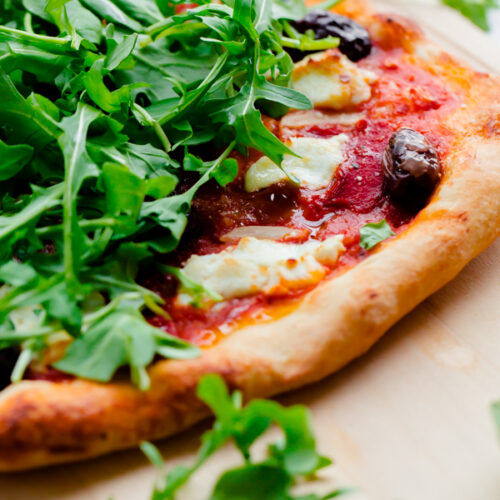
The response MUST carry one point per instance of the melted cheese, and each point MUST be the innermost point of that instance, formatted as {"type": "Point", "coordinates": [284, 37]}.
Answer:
{"type": "Point", "coordinates": [330, 80]}
{"type": "Point", "coordinates": [315, 167]}
{"type": "Point", "coordinates": [258, 265]}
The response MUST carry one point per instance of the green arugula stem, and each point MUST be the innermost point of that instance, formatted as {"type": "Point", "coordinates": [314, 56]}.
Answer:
{"type": "Point", "coordinates": [9, 34]}
{"type": "Point", "coordinates": [215, 9]}
{"type": "Point", "coordinates": [323, 44]}
{"type": "Point", "coordinates": [206, 176]}
{"type": "Point", "coordinates": [175, 29]}
{"type": "Point", "coordinates": [93, 317]}
{"type": "Point", "coordinates": [68, 216]}
{"type": "Point", "coordinates": [153, 305]}
{"type": "Point", "coordinates": [194, 97]}
{"type": "Point", "coordinates": [22, 363]}
{"type": "Point", "coordinates": [28, 26]}
{"type": "Point", "coordinates": [160, 133]}
{"type": "Point", "coordinates": [18, 296]}
{"type": "Point", "coordinates": [84, 224]}
{"type": "Point", "coordinates": [110, 281]}
{"type": "Point", "coordinates": [20, 336]}
{"type": "Point", "coordinates": [196, 290]}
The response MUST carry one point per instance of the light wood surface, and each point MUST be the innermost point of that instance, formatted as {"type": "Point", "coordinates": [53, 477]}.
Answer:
{"type": "Point", "coordinates": [409, 421]}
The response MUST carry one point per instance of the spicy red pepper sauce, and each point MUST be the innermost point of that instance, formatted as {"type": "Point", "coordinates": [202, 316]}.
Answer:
{"type": "Point", "coordinates": [405, 95]}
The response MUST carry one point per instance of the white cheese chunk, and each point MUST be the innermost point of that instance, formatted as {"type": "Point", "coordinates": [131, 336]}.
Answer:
{"type": "Point", "coordinates": [25, 318]}
{"type": "Point", "coordinates": [258, 265]}
{"type": "Point", "coordinates": [330, 80]}
{"type": "Point", "coordinates": [315, 167]}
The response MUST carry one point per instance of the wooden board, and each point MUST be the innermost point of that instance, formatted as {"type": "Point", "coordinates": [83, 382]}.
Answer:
{"type": "Point", "coordinates": [410, 420]}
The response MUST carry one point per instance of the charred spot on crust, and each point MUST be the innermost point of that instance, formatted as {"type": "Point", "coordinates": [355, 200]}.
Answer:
{"type": "Point", "coordinates": [492, 127]}
{"type": "Point", "coordinates": [393, 31]}
{"type": "Point", "coordinates": [67, 448]}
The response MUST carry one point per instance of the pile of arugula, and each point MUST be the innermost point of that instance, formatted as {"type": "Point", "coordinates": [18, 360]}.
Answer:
{"type": "Point", "coordinates": [105, 104]}
{"type": "Point", "coordinates": [272, 478]}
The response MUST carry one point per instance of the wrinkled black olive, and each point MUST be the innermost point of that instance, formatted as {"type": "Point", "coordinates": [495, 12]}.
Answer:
{"type": "Point", "coordinates": [355, 41]}
{"type": "Point", "coordinates": [411, 167]}
{"type": "Point", "coordinates": [8, 358]}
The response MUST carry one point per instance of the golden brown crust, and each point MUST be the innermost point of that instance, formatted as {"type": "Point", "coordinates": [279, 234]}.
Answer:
{"type": "Point", "coordinates": [45, 423]}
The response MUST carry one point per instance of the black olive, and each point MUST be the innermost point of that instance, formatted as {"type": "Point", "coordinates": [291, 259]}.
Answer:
{"type": "Point", "coordinates": [411, 167]}
{"type": "Point", "coordinates": [355, 41]}
{"type": "Point", "coordinates": [8, 358]}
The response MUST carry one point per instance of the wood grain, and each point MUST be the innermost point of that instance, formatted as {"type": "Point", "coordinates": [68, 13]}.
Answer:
{"type": "Point", "coordinates": [410, 420]}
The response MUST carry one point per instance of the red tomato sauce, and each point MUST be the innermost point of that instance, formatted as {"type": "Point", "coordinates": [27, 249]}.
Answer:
{"type": "Point", "coordinates": [404, 96]}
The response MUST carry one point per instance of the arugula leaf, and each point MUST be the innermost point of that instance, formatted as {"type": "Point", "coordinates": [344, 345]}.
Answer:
{"type": "Point", "coordinates": [122, 337]}
{"type": "Point", "coordinates": [37, 7]}
{"type": "Point", "coordinates": [269, 479]}
{"type": "Point", "coordinates": [78, 166]}
{"type": "Point", "coordinates": [240, 113]}
{"type": "Point", "coordinates": [13, 159]}
{"type": "Point", "coordinates": [22, 122]}
{"type": "Point", "coordinates": [59, 13]}
{"type": "Point", "coordinates": [170, 213]}
{"type": "Point", "coordinates": [111, 102]}
{"type": "Point", "coordinates": [253, 482]}
{"type": "Point", "coordinates": [226, 172]}
{"type": "Point", "coordinates": [15, 227]}
{"type": "Point", "coordinates": [107, 9]}
{"type": "Point", "coordinates": [495, 411]}
{"type": "Point", "coordinates": [120, 51]}
{"type": "Point", "coordinates": [30, 289]}
{"type": "Point", "coordinates": [475, 10]}
{"type": "Point", "coordinates": [83, 21]}
{"type": "Point", "coordinates": [16, 274]}
{"type": "Point", "coordinates": [124, 192]}
{"type": "Point", "coordinates": [288, 9]}
{"type": "Point", "coordinates": [146, 11]}
{"type": "Point", "coordinates": [374, 233]}
{"type": "Point", "coordinates": [160, 187]}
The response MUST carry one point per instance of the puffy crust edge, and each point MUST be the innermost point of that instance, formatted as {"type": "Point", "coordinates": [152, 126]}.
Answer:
{"type": "Point", "coordinates": [44, 423]}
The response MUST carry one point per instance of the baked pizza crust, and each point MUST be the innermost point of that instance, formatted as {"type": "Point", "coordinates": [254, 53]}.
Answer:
{"type": "Point", "coordinates": [44, 423]}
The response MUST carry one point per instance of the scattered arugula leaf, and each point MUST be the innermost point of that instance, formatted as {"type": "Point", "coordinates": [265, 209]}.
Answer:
{"type": "Point", "coordinates": [474, 10]}
{"type": "Point", "coordinates": [271, 479]}
{"type": "Point", "coordinates": [495, 411]}
{"type": "Point", "coordinates": [374, 233]}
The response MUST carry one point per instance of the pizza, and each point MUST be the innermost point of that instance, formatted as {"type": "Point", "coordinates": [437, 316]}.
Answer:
{"type": "Point", "coordinates": [258, 191]}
